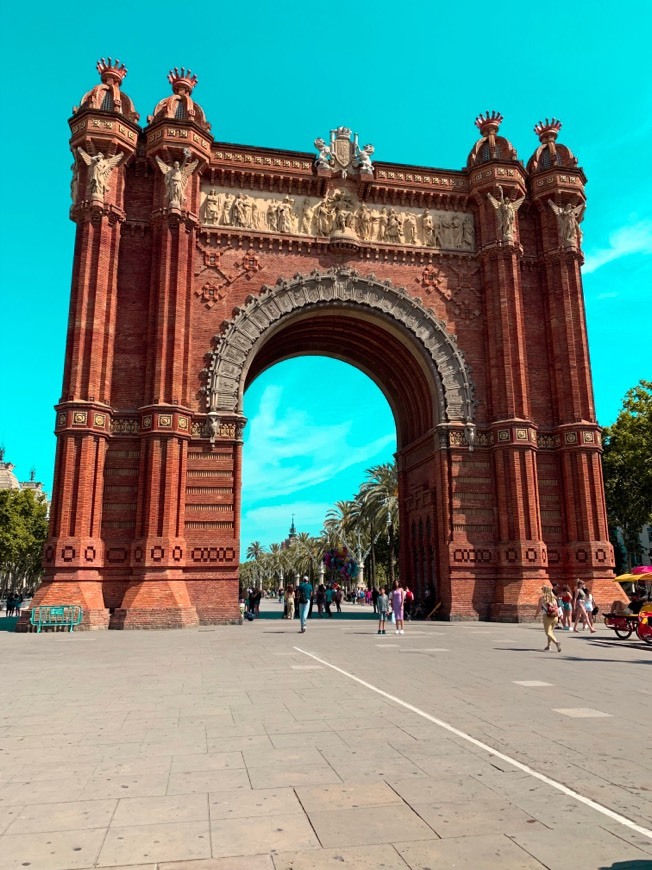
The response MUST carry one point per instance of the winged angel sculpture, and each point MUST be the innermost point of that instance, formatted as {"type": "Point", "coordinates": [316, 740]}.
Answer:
{"type": "Point", "coordinates": [99, 170]}
{"type": "Point", "coordinates": [505, 214]}
{"type": "Point", "coordinates": [568, 223]}
{"type": "Point", "coordinates": [176, 178]}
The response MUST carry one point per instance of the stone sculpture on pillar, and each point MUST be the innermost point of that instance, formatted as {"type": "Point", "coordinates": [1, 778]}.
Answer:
{"type": "Point", "coordinates": [99, 171]}
{"type": "Point", "coordinates": [505, 214]}
{"type": "Point", "coordinates": [176, 178]}
{"type": "Point", "coordinates": [568, 223]}
{"type": "Point", "coordinates": [325, 158]}
{"type": "Point", "coordinates": [363, 158]}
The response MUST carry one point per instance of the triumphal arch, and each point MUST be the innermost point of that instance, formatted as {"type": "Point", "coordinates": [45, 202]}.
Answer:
{"type": "Point", "coordinates": [199, 264]}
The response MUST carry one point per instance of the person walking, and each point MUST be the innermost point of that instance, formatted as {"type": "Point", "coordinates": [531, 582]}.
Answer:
{"type": "Point", "coordinates": [397, 600]}
{"type": "Point", "coordinates": [548, 608]}
{"type": "Point", "coordinates": [580, 607]}
{"type": "Point", "coordinates": [304, 596]}
{"type": "Point", "coordinates": [566, 608]}
{"type": "Point", "coordinates": [382, 605]}
{"type": "Point", "coordinates": [409, 603]}
{"type": "Point", "coordinates": [338, 599]}
{"type": "Point", "coordinates": [328, 600]}
{"type": "Point", "coordinates": [374, 597]}
{"type": "Point", "coordinates": [289, 602]}
{"type": "Point", "coordinates": [320, 598]}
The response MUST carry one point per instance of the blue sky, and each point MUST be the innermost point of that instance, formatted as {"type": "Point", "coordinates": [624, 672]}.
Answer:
{"type": "Point", "coordinates": [409, 79]}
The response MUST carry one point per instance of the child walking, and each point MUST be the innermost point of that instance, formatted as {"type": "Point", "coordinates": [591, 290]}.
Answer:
{"type": "Point", "coordinates": [382, 604]}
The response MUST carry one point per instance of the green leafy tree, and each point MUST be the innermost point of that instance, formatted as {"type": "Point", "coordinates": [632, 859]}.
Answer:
{"type": "Point", "coordinates": [23, 529]}
{"type": "Point", "coordinates": [627, 465]}
{"type": "Point", "coordinates": [379, 500]}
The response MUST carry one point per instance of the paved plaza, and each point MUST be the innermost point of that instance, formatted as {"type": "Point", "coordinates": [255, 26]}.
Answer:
{"type": "Point", "coordinates": [256, 748]}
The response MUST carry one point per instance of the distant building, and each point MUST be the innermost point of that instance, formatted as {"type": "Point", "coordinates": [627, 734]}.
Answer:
{"type": "Point", "coordinates": [8, 479]}
{"type": "Point", "coordinates": [292, 535]}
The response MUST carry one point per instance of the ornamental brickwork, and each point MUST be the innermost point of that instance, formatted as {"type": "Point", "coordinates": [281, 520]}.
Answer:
{"type": "Point", "coordinates": [198, 265]}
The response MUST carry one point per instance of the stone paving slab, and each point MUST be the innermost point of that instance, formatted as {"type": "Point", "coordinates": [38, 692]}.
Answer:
{"type": "Point", "coordinates": [208, 750]}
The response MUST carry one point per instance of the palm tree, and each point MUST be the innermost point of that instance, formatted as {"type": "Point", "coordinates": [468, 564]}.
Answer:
{"type": "Point", "coordinates": [379, 502]}
{"type": "Point", "coordinates": [341, 521]}
{"type": "Point", "coordinates": [255, 550]}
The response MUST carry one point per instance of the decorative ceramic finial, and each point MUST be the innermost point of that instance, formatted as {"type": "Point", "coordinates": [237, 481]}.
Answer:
{"type": "Point", "coordinates": [182, 79]}
{"type": "Point", "coordinates": [111, 70]}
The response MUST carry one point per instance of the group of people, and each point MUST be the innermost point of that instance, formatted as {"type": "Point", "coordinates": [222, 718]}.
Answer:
{"type": "Point", "coordinates": [324, 597]}
{"type": "Point", "coordinates": [559, 605]}
{"type": "Point", "coordinates": [13, 603]}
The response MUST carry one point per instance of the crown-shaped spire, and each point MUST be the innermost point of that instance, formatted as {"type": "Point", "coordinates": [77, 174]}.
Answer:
{"type": "Point", "coordinates": [182, 79]}
{"type": "Point", "coordinates": [548, 130]}
{"type": "Point", "coordinates": [111, 70]}
{"type": "Point", "coordinates": [488, 123]}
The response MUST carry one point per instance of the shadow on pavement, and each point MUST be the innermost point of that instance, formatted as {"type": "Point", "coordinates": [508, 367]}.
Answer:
{"type": "Point", "coordinates": [8, 623]}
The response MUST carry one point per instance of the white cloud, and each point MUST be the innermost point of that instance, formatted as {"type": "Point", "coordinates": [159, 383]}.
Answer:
{"type": "Point", "coordinates": [633, 239]}
{"type": "Point", "coordinates": [287, 451]}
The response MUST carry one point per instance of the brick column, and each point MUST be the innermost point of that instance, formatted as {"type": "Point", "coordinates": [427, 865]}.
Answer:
{"type": "Point", "coordinates": [74, 551]}
{"type": "Point", "coordinates": [158, 595]}
{"type": "Point", "coordinates": [587, 553]}
{"type": "Point", "coordinates": [521, 553]}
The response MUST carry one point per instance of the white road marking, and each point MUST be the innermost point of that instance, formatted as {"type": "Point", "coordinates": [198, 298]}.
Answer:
{"type": "Point", "coordinates": [385, 646]}
{"type": "Point", "coordinates": [531, 683]}
{"type": "Point", "coordinates": [581, 712]}
{"type": "Point", "coordinates": [564, 789]}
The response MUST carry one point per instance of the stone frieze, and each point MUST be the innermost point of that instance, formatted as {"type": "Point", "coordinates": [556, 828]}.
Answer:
{"type": "Point", "coordinates": [338, 214]}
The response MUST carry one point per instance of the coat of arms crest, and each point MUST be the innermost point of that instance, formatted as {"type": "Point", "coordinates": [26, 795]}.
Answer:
{"type": "Point", "coordinates": [343, 153]}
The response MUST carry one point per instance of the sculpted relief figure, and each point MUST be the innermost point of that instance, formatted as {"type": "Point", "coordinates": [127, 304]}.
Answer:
{"type": "Point", "coordinates": [505, 214]}
{"type": "Point", "coordinates": [99, 170]}
{"type": "Point", "coordinates": [176, 178]}
{"type": "Point", "coordinates": [322, 219]}
{"type": "Point", "coordinates": [410, 229]}
{"type": "Point", "coordinates": [394, 228]}
{"type": "Point", "coordinates": [428, 229]}
{"type": "Point", "coordinates": [325, 157]}
{"type": "Point", "coordinates": [382, 224]}
{"type": "Point", "coordinates": [305, 217]}
{"type": "Point", "coordinates": [74, 183]}
{"type": "Point", "coordinates": [212, 208]}
{"type": "Point", "coordinates": [365, 222]}
{"type": "Point", "coordinates": [285, 215]}
{"type": "Point", "coordinates": [468, 235]}
{"type": "Point", "coordinates": [272, 217]}
{"type": "Point", "coordinates": [568, 223]}
{"type": "Point", "coordinates": [226, 210]}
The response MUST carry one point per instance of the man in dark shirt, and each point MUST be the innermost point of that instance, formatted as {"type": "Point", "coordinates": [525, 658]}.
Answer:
{"type": "Point", "coordinates": [305, 594]}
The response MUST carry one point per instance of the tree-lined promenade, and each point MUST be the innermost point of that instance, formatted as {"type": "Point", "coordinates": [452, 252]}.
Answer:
{"type": "Point", "coordinates": [361, 533]}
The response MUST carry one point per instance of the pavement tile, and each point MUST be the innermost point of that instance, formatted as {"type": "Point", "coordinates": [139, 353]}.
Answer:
{"type": "Point", "coordinates": [203, 781]}
{"type": "Point", "coordinates": [146, 843]}
{"type": "Point", "coordinates": [7, 816]}
{"type": "Point", "coordinates": [366, 826]}
{"type": "Point", "coordinates": [250, 862]}
{"type": "Point", "coordinates": [243, 836]}
{"type": "Point", "coordinates": [486, 816]}
{"type": "Point", "coordinates": [206, 761]}
{"type": "Point", "coordinates": [479, 853]}
{"type": "Point", "coordinates": [236, 743]}
{"type": "Point", "coordinates": [58, 850]}
{"type": "Point", "coordinates": [46, 791]}
{"type": "Point", "coordinates": [383, 857]}
{"type": "Point", "coordinates": [306, 755]}
{"type": "Point", "coordinates": [601, 850]}
{"type": "Point", "coordinates": [67, 816]}
{"type": "Point", "coordinates": [438, 790]}
{"type": "Point", "coordinates": [145, 785]}
{"type": "Point", "coordinates": [155, 810]}
{"type": "Point", "coordinates": [291, 775]}
{"type": "Point", "coordinates": [340, 797]}
{"type": "Point", "coordinates": [249, 804]}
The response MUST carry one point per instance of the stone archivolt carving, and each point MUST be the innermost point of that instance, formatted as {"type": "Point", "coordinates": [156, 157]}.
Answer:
{"type": "Point", "coordinates": [236, 345]}
{"type": "Point", "coordinates": [339, 212]}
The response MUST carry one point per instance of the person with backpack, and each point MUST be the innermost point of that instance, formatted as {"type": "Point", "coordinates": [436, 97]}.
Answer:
{"type": "Point", "coordinates": [408, 603]}
{"type": "Point", "coordinates": [549, 610]}
{"type": "Point", "coordinates": [304, 596]}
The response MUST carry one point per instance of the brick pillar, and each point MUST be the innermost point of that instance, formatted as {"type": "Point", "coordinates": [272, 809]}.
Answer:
{"type": "Point", "coordinates": [521, 552]}
{"type": "Point", "coordinates": [587, 554]}
{"type": "Point", "coordinates": [158, 595]}
{"type": "Point", "coordinates": [74, 551]}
